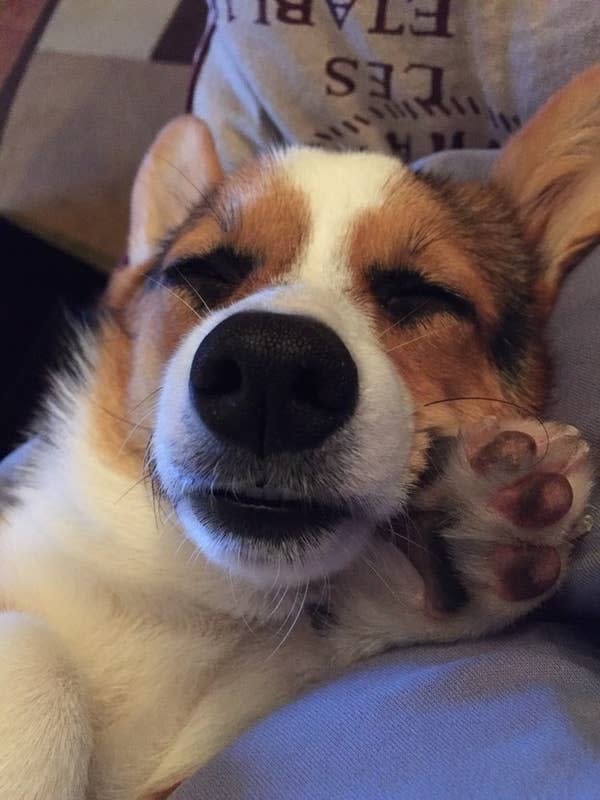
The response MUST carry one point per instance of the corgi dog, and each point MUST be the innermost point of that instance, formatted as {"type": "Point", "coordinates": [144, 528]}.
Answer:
{"type": "Point", "coordinates": [304, 429]}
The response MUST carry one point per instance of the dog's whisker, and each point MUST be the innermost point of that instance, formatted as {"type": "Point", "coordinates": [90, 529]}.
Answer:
{"type": "Point", "coordinates": [322, 592]}
{"type": "Point", "coordinates": [405, 537]}
{"type": "Point", "coordinates": [163, 285]}
{"type": "Point", "coordinates": [148, 396]}
{"type": "Point", "coordinates": [235, 598]}
{"type": "Point", "coordinates": [289, 613]}
{"type": "Point", "coordinates": [131, 488]}
{"type": "Point", "coordinates": [149, 466]}
{"type": "Point", "coordinates": [182, 542]}
{"type": "Point", "coordinates": [232, 588]}
{"type": "Point", "coordinates": [134, 430]}
{"type": "Point", "coordinates": [182, 199]}
{"type": "Point", "coordinates": [403, 319]}
{"type": "Point", "coordinates": [194, 290]}
{"type": "Point", "coordinates": [412, 341]}
{"type": "Point", "coordinates": [182, 174]}
{"type": "Point", "coordinates": [325, 593]}
{"type": "Point", "coordinates": [293, 623]}
{"type": "Point", "coordinates": [118, 417]}
{"type": "Point", "coordinates": [202, 197]}
{"type": "Point", "coordinates": [284, 591]}
{"type": "Point", "coordinates": [277, 573]}
{"type": "Point", "coordinates": [155, 487]}
{"type": "Point", "coordinates": [376, 572]}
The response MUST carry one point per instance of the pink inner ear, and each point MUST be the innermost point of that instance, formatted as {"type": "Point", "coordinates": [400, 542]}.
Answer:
{"type": "Point", "coordinates": [524, 571]}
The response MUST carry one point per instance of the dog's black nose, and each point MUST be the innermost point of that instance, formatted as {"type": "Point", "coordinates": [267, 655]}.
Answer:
{"type": "Point", "coordinates": [273, 383]}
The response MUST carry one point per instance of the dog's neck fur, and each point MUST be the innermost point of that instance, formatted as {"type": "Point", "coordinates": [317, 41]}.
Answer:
{"type": "Point", "coordinates": [125, 580]}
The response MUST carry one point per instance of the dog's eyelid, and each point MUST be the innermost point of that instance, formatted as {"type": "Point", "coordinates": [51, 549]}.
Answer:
{"type": "Point", "coordinates": [222, 255]}
{"type": "Point", "coordinates": [406, 282]}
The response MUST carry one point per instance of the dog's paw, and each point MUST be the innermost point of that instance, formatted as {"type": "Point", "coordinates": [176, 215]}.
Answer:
{"type": "Point", "coordinates": [512, 497]}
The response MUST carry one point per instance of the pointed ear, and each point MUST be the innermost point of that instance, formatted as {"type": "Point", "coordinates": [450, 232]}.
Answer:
{"type": "Point", "coordinates": [551, 172]}
{"type": "Point", "coordinates": [179, 168]}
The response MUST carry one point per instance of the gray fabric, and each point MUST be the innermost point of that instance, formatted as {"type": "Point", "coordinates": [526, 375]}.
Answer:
{"type": "Point", "coordinates": [514, 718]}
{"type": "Point", "coordinates": [574, 334]}
{"type": "Point", "coordinates": [408, 78]}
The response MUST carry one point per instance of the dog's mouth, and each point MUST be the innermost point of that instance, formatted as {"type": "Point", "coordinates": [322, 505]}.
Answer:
{"type": "Point", "coordinates": [267, 515]}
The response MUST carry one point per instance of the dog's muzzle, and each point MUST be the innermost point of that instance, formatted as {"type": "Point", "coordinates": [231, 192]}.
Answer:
{"type": "Point", "coordinates": [271, 385]}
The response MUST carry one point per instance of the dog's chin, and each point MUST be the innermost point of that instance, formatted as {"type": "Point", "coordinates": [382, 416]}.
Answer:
{"type": "Point", "coordinates": [268, 544]}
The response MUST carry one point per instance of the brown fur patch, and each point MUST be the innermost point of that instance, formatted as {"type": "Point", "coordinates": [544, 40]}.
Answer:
{"type": "Point", "coordinates": [113, 432]}
{"type": "Point", "coordinates": [462, 237]}
{"type": "Point", "coordinates": [133, 353]}
{"type": "Point", "coordinates": [258, 213]}
{"type": "Point", "coordinates": [414, 228]}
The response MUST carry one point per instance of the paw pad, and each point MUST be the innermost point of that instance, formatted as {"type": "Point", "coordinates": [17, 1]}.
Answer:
{"type": "Point", "coordinates": [509, 452]}
{"type": "Point", "coordinates": [524, 572]}
{"type": "Point", "coordinates": [537, 501]}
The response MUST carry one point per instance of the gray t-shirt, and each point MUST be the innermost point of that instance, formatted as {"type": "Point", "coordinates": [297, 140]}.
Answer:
{"type": "Point", "coordinates": [409, 77]}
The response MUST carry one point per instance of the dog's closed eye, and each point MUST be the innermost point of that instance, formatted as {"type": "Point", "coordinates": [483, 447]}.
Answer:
{"type": "Point", "coordinates": [213, 276]}
{"type": "Point", "coordinates": [406, 296]}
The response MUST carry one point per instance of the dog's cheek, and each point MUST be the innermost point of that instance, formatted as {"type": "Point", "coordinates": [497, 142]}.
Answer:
{"type": "Point", "coordinates": [159, 324]}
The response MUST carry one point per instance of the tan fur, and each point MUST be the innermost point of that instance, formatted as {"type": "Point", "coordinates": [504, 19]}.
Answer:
{"type": "Point", "coordinates": [265, 217]}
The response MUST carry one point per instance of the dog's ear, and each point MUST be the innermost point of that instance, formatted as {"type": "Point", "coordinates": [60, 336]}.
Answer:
{"type": "Point", "coordinates": [551, 172]}
{"type": "Point", "coordinates": [180, 167]}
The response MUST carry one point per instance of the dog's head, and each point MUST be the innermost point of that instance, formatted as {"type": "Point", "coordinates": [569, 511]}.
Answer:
{"type": "Point", "coordinates": [295, 334]}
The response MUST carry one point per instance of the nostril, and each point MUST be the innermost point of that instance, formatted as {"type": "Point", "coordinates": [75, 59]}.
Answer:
{"type": "Point", "coordinates": [219, 377]}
